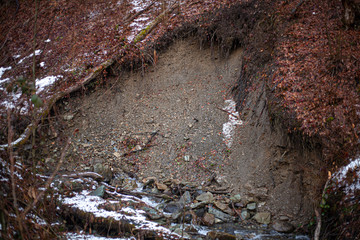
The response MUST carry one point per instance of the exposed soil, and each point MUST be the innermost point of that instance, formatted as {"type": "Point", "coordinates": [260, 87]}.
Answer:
{"type": "Point", "coordinates": [168, 123]}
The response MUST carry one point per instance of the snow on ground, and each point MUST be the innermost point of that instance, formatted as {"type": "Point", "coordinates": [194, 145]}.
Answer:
{"type": "Point", "coordinates": [3, 69]}
{"type": "Point", "coordinates": [37, 53]}
{"type": "Point", "coordinates": [341, 175]}
{"type": "Point", "coordinates": [87, 203]}
{"type": "Point", "coordinates": [139, 23]}
{"type": "Point", "coordinates": [82, 236]}
{"type": "Point", "coordinates": [234, 119]}
{"type": "Point", "coordinates": [46, 81]}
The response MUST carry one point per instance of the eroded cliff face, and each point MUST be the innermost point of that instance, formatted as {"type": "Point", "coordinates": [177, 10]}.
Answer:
{"type": "Point", "coordinates": [178, 122]}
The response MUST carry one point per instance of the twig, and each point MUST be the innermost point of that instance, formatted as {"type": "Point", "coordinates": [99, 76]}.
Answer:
{"type": "Point", "coordinates": [12, 165]}
{"type": "Point", "coordinates": [293, 12]}
{"type": "Point", "coordinates": [93, 175]}
{"type": "Point", "coordinates": [317, 213]}
{"type": "Point", "coordinates": [147, 144]}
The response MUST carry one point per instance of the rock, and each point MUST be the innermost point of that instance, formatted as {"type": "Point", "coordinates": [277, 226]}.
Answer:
{"type": "Point", "coordinates": [117, 154]}
{"type": "Point", "coordinates": [223, 207]}
{"type": "Point", "coordinates": [161, 186]}
{"type": "Point", "coordinates": [263, 217]}
{"type": "Point", "coordinates": [182, 233]}
{"type": "Point", "coordinates": [221, 215]}
{"type": "Point", "coordinates": [129, 184]}
{"type": "Point", "coordinates": [198, 205]}
{"type": "Point", "coordinates": [104, 170]}
{"type": "Point", "coordinates": [251, 206]}
{"type": "Point", "coordinates": [68, 117]}
{"type": "Point", "coordinates": [205, 197]}
{"type": "Point", "coordinates": [200, 212]}
{"type": "Point", "coordinates": [212, 235]}
{"type": "Point", "coordinates": [173, 207]}
{"type": "Point", "coordinates": [152, 213]}
{"type": "Point", "coordinates": [284, 218]}
{"type": "Point", "coordinates": [185, 198]}
{"type": "Point", "coordinates": [236, 198]}
{"type": "Point", "coordinates": [187, 158]}
{"type": "Point", "coordinates": [138, 148]}
{"type": "Point", "coordinates": [149, 181]}
{"type": "Point", "coordinates": [99, 192]}
{"type": "Point", "coordinates": [208, 219]}
{"type": "Point", "coordinates": [245, 215]}
{"type": "Point", "coordinates": [283, 227]}
{"type": "Point", "coordinates": [176, 215]}
{"type": "Point", "coordinates": [221, 180]}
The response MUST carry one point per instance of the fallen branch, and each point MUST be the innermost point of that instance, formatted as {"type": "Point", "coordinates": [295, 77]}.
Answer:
{"type": "Point", "coordinates": [93, 175]}
{"type": "Point", "coordinates": [116, 190]}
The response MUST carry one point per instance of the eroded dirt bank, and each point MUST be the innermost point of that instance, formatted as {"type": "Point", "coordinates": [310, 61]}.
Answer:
{"type": "Point", "coordinates": [168, 124]}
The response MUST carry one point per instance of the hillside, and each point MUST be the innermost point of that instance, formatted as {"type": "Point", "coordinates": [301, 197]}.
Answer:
{"type": "Point", "coordinates": [148, 89]}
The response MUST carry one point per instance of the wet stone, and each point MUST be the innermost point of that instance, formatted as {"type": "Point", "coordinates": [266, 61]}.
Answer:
{"type": "Point", "coordinates": [173, 207]}
{"type": "Point", "coordinates": [205, 197]}
{"type": "Point", "coordinates": [185, 198]}
{"type": "Point", "coordinates": [263, 217]}
{"type": "Point", "coordinates": [251, 206]}
{"type": "Point", "coordinates": [221, 215]}
{"type": "Point", "coordinates": [235, 198]}
{"type": "Point", "coordinates": [99, 192]}
{"type": "Point", "coordinates": [223, 207]}
{"type": "Point", "coordinates": [208, 219]}
{"type": "Point", "coordinates": [283, 227]}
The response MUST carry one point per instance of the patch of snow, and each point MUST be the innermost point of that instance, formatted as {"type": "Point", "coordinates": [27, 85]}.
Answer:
{"type": "Point", "coordinates": [341, 175]}
{"type": "Point", "coordinates": [42, 64]}
{"type": "Point", "coordinates": [234, 119]}
{"type": "Point", "coordinates": [46, 81]}
{"type": "Point", "coordinates": [9, 103]}
{"type": "Point", "coordinates": [37, 219]}
{"type": "Point", "coordinates": [47, 40]}
{"type": "Point", "coordinates": [3, 69]}
{"type": "Point", "coordinates": [16, 56]}
{"type": "Point", "coordinates": [4, 80]}
{"type": "Point", "coordinates": [37, 52]}
{"type": "Point", "coordinates": [87, 203]}
{"type": "Point", "coordinates": [22, 137]}
{"type": "Point", "coordinates": [82, 236]}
